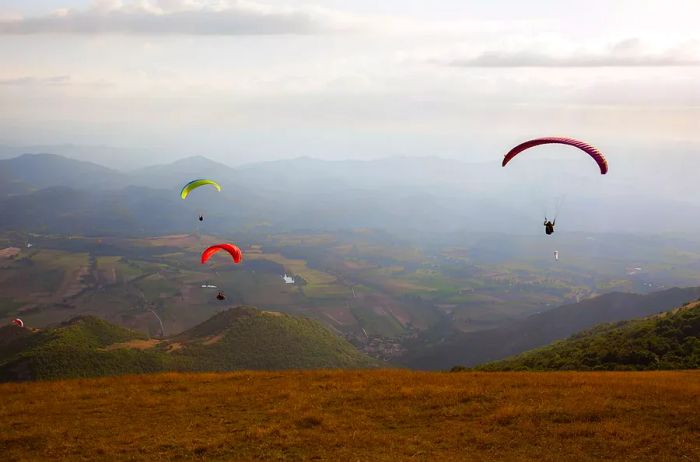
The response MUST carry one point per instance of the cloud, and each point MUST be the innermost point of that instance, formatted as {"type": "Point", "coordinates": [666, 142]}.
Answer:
{"type": "Point", "coordinates": [184, 17]}
{"type": "Point", "coordinates": [628, 53]}
{"type": "Point", "coordinates": [26, 81]}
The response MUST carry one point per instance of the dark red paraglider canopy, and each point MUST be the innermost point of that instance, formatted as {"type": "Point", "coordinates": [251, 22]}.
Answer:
{"type": "Point", "coordinates": [235, 252]}
{"type": "Point", "coordinates": [587, 148]}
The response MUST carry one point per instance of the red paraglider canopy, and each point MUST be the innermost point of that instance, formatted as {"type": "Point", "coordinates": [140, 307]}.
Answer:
{"type": "Point", "coordinates": [587, 148]}
{"type": "Point", "coordinates": [18, 322]}
{"type": "Point", "coordinates": [235, 252]}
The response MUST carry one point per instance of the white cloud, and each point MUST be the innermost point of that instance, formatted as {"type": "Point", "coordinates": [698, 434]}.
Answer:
{"type": "Point", "coordinates": [185, 17]}
{"type": "Point", "coordinates": [627, 53]}
{"type": "Point", "coordinates": [25, 81]}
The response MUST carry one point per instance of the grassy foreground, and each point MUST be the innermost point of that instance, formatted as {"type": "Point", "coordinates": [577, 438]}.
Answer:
{"type": "Point", "coordinates": [355, 415]}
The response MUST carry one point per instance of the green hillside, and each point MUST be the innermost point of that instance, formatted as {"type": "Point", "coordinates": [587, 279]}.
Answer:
{"type": "Point", "coordinates": [240, 338]}
{"type": "Point", "coordinates": [246, 338]}
{"type": "Point", "coordinates": [666, 341]}
{"type": "Point", "coordinates": [77, 348]}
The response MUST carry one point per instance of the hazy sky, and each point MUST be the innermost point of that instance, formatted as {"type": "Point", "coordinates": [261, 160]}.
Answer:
{"type": "Point", "coordinates": [247, 80]}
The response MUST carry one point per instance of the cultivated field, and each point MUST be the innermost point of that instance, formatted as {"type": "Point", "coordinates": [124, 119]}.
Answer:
{"type": "Point", "coordinates": [356, 415]}
{"type": "Point", "coordinates": [363, 284]}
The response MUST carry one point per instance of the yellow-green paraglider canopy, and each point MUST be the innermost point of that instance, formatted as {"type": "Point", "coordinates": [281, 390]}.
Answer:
{"type": "Point", "coordinates": [196, 184]}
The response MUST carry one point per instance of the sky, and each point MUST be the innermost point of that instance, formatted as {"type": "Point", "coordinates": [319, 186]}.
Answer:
{"type": "Point", "coordinates": [247, 80]}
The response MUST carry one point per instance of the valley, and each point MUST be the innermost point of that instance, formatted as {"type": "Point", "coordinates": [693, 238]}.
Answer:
{"type": "Point", "coordinates": [379, 291]}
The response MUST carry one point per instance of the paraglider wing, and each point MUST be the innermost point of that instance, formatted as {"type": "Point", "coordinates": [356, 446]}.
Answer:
{"type": "Point", "coordinates": [18, 322]}
{"type": "Point", "coordinates": [587, 148]}
{"type": "Point", "coordinates": [235, 252]}
{"type": "Point", "coordinates": [187, 189]}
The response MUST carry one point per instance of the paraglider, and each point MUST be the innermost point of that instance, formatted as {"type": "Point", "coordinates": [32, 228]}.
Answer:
{"type": "Point", "coordinates": [594, 153]}
{"type": "Point", "coordinates": [234, 251]}
{"type": "Point", "coordinates": [549, 226]}
{"type": "Point", "coordinates": [194, 184]}
{"type": "Point", "coordinates": [587, 148]}
{"type": "Point", "coordinates": [18, 322]}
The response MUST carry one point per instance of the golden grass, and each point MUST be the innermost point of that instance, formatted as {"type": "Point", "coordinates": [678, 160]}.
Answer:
{"type": "Point", "coordinates": [356, 415]}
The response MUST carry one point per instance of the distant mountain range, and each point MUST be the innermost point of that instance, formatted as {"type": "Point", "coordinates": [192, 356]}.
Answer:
{"type": "Point", "coordinates": [473, 348]}
{"type": "Point", "coordinates": [668, 340]}
{"type": "Point", "coordinates": [239, 338]}
{"type": "Point", "coordinates": [402, 195]}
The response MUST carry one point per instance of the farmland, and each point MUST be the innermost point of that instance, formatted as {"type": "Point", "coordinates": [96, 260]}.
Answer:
{"type": "Point", "coordinates": [364, 284]}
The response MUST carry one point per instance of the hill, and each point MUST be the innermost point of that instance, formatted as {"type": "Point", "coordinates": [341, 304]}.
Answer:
{"type": "Point", "coordinates": [47, 170]}
{"type": "Point", "coordinates": [132, 210]}
{"type": "Point", "coordinates": [40, 192]}
{"type": "Point", "coordinates": [472, 348]}
{"type": "Point", "coordinates": [77, 348]}
{"type": "Point", "coordinates": [666, 341]}
{"type": "Point", "coordinates": [246, 338]}
{"type": "Point", "coordinates": [355, 415]}
{"type": "Point", "coordinates": [239, 338]}
{"type": "Point", "coordinates": [400, 194]}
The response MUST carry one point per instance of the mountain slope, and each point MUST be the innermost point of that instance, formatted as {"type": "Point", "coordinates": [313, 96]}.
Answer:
{"type": "Point", "coordinates": [47, 170]}
{"type": "Point", "coordinates": [665, 341]}
{"type": "Point", "coordinates": [246, 338]}
{"type": "Point", "coordinates": [469, 349]}
{"type": "Point", "coordinates": [401, 195]}
{"type": "Point", "coordinates": [42, 192]}
{"type": "Point", "coordinates": [76, 348]}
{"type": "Point", "coordinates": [132, 210]}
{"type": "Point", "coordinates": [240, 338]}
{"type": "Point", "coordinates": [173, 174]}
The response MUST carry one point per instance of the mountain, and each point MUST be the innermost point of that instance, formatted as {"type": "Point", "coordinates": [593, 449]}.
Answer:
{"type": "Point", "coordinates": [119, 158]}
{"type": "Point", "coordinates": [246, 338]}
{"type": "Point", "coordinates": [10, 185]}
{"type": "Point", "coordinates": [172, 175]}
{"type": "Point", "coordinates": [668, 340]}
{"type": "Point", "coordinates": [240, 338]}
{"type": "Point", "coordinates": [77, 348]}
{"type": "Point", "coordinates": [47, 170]}
{"type": "Point", "coordinates": [400, 195]}
{"type": "Point", "coordinates": [131, 210]}
{"type": "Point", "coordinates": [47, 193]}
{"type": "Point", "coordinates": [472, 348]}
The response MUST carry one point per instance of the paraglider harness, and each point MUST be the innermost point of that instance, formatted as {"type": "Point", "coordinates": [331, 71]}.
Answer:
{"type": "Point", "coordinates": [549, 226]}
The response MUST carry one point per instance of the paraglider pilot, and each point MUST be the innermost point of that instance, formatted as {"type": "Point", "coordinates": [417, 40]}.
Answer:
{"type": "Point", "coordinates": [221, 296]}
{"type": "Point", "coordinates": [201, 218]}
{"type": "Point", "coordinates": [549, 226]}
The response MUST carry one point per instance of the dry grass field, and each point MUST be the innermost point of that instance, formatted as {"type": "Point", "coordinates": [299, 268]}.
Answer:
{"type": "Point", "coordinates": [355, 416]}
